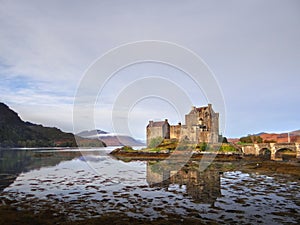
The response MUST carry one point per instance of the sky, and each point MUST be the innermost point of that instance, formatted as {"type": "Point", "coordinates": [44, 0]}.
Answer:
{"type": "Point", "coordinates": [252, 48]}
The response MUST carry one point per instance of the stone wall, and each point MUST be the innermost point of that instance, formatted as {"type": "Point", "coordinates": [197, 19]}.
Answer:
{"type": "Point", "coordinates": [191, 119]}
{"type": "Point", "coordinates": [153, 132]}
{"type": "Point", "coordinates": [249, 150]}
{"type": "Point", "coordinates": [206, 122]}
{"type": "Point", "coordinates": [201, 125]}
{"type": "Point", "coordinates": [175, 131]}
{"type": "Point", "coordinates": [166, 131]}
{"type": "Point", "coordinates": [205, 136]}
{"type": "Point", "coordinates": [255, 149]}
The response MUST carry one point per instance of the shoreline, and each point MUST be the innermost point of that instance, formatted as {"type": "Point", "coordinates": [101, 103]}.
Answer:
{"type": "Point", "coordinates": [161, 156]}
{"type": "Point", "coordinates": [238, 161]}
{"type": "Point", "coordinates": [12, 215]}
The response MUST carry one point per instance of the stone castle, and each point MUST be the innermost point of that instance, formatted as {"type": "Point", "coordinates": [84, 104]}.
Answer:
{"type": "Point", "coordinates": [201, 125]}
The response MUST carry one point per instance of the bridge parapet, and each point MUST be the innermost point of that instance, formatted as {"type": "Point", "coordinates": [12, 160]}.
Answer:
{"type": "Point", "coordinates": [248, 149]}
{"type": "Point", "coordinates": [297, 150]}
{"type": "Point", "coordinates": [255, 149]}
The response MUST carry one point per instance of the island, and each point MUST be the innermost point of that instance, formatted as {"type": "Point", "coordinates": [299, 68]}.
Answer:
{"type": "Point", "coordinates": [199, 139]}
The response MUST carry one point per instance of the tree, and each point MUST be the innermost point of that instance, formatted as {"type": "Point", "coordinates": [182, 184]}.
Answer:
{"type": "Point", "coordinates": [251, 139]}
{"type": "Point", "coordinates": [224, 140]}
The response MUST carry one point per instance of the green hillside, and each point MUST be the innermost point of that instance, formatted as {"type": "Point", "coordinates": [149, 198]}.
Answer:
{"type": "Point", "coordinates": [16, 133]}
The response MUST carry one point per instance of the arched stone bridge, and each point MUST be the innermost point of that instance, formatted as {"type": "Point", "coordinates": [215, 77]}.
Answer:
{"type": "Point", "coordinates": [274, 148]}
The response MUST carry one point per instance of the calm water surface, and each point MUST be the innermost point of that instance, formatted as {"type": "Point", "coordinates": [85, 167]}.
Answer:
{"type": "Point", "coordinates": [90, 184]}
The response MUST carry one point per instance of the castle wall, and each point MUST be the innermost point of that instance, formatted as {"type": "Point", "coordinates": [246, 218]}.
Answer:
{"type": "Point", "coordinates": [201, 125]}
{"type": "Point", "coordinates": [175, 131]}
{"type": "Point", "coordinates": [153, 132]}
{"type": "Point", "coordinates": [215, 128]}
{"type": "Point", "coordinates": [158, 131]}
{"type": "Point", "coordinates": [189, 133]}
{"type": "Point", "coordinates": [166, 131]}
{"type": "Point", "coordinates": [204, 136]}
{"type": "Point", "coordinates": [191, 119]}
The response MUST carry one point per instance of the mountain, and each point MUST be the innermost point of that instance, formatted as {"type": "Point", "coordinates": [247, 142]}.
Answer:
{"type": "Point", "coordinates": [294, 136]}
{"type": "Point", "coordinates": [91, 133]}
{"type": "Point", "coordinates": [296, 133]}
{"type": "Point", "coordinates": [111, 139]}
{"type": "Point", "coordinates": [14, 132]}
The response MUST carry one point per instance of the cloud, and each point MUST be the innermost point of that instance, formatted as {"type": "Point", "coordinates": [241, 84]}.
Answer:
{"type": "Point", "coordinates": [252, 47]}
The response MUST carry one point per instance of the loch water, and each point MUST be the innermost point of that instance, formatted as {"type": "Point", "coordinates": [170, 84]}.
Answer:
{"type": "Point", "coordinates": [88, 183]}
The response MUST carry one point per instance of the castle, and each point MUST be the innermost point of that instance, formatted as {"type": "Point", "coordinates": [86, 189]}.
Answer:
{"type": "Point", "coordinates": [201, 125]}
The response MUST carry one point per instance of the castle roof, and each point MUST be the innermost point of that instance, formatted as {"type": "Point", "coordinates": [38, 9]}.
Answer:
{"type": "Point", "coordinates": [157, 123]}
{"type": "Point", "coordinates": [201, 108]}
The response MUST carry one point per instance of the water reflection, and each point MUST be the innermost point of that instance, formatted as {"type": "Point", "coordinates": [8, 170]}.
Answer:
{"type": "Point", "coordinates": [202, 186]}
{"type": "Point", "coordinates": [68, 183]}
{"type": "Point", "coordinates": [14, 162]}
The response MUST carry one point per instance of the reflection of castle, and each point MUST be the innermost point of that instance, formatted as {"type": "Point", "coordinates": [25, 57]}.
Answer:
{"type": "Point", "coordinates": [203, 187]}
{"type": "Point", "coordinates": [201, 125]}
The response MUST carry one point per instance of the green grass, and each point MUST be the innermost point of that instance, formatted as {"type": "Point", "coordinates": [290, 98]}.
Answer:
{"type": "Point", "coordinates": [227, 148]}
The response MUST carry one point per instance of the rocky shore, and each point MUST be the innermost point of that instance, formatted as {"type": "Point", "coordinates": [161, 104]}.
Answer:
{"type": "Point", "coordinates": [128, 156]}
{"type": "Point", "coordinates": [11, 215]}
{"type": "Point", "coordinates": [238, 161]}
{"type": "Point", "coordinates": [244, 178]}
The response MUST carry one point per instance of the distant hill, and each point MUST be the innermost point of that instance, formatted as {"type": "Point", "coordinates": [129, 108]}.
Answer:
{"type": "Point", "coordinates": [296, 133]}
{"type": "Point", "coordinates": [282, 137]}
{"type": "Point", "coordinates": [274, 137]}
{"type": "Point", "coordinates": [111, 139]}
{"type": "Point", "coordinates": [233, 140]}
{"type": "Point", "coordinates": [16, 133]}
{"type": "Point", "coordinates": [91, 133]}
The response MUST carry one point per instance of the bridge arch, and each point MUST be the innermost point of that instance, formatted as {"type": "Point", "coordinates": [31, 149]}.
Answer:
{"type": "Point", "coordinates": [265, 153]}
{"type": "Point", "coordinates": [279, 151]}
{"type": "Point", "coordinates": [285, 153]}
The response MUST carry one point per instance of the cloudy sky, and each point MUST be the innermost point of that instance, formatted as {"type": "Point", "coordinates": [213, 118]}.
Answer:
{"type": "Point", "coordinates": [252, 47]}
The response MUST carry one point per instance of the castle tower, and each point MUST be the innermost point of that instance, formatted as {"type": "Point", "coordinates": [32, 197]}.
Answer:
{"type": "Point", "coordinates": [158, 129]}
{"type": "Point", "coordinates": [201, 125]}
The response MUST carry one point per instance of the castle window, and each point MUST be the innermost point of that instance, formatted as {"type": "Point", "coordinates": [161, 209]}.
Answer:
{"type": "Point", "coordinates": [200, 122]}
